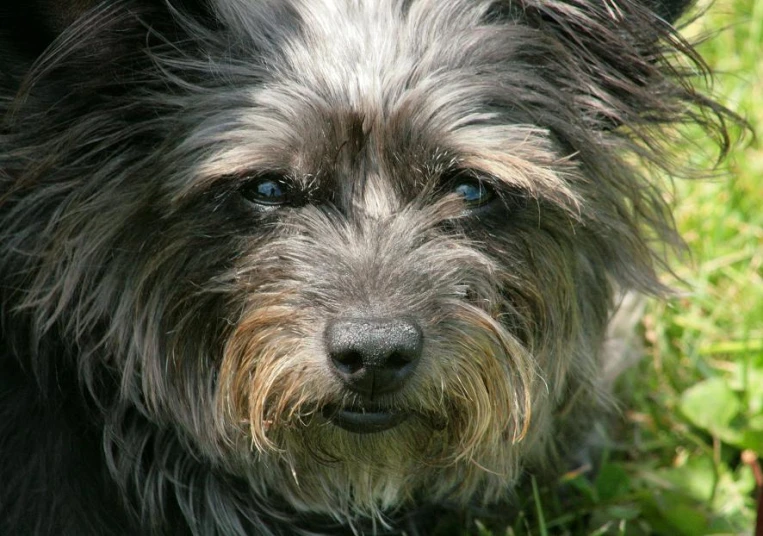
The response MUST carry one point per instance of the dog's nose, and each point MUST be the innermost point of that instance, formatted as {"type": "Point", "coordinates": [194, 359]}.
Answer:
{"type": "Point", "coordinates": [373, 356]}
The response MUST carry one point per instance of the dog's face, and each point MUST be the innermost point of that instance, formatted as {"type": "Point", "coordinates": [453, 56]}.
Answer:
{"type": "Point", "coordinates": [406, 260]}
{"type": "Point", "coordinates": [353, 252]}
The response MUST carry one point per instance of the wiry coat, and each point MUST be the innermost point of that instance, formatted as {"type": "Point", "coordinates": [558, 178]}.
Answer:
{"type": "Point", "coordinates": [162, 363]}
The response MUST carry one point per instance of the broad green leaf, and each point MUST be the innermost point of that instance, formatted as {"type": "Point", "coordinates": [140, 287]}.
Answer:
{"type": "Point", "coordinates": [711, 405]}
{"type": "Point", "coordinates": [611, 481]}
{"type": "Point", "coordinates": [696, 478]}
{"type": "Point", "coordinates": [751, 439]}
{"type": "Point", "coordinates": [683, 515]}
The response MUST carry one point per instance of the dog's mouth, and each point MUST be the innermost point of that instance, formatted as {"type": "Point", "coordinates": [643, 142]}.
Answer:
{"type": "Point", "coordinates": [364, 420]}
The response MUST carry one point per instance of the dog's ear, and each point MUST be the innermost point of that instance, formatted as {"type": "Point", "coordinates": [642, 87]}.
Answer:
{"type": "Point", "coordinates": [669, 10]}
{"type": "Point", "coordinates": [85, 49]}
{"type": "Point", "coordinates": [28, 27]}
{"type": "Point", "coordinates": [621, 56]}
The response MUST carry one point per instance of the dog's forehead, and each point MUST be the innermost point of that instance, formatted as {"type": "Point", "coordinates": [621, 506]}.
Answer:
{"type": "Point", "coordinates": [368, 52]}
{"type": "Point", "coordinates": [397, 87]}
{"type": "Point", "coordinates": [376, 57]}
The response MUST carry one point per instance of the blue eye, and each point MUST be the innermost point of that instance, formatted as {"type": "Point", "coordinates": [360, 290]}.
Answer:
{"type": "Point", "coordinates": [269, 189]}
{"type": "Point", "coordinates": [473, 191]}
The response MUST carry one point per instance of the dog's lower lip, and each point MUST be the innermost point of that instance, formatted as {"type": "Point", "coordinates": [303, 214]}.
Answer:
{"type": "Point", "coordinates": [361, 421]}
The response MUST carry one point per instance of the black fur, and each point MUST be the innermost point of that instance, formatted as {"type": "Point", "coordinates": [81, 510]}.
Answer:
{"type": "Point", "coordinates": [480, 169]}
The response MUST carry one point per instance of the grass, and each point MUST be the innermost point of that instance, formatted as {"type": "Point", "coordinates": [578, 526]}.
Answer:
{"type": "Point", "coordinates": [693, 423]}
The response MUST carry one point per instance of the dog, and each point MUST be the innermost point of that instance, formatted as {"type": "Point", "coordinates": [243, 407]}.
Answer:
{"type": "Point", "coordinates": [313, 266]}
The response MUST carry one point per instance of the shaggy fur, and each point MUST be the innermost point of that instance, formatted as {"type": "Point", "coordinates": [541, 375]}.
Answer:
{"type": "Point", "coordinates": [195, 197]}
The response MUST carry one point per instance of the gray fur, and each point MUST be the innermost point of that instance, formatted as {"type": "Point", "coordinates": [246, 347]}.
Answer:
{"type": "Point", "coordinates": [162, 368]}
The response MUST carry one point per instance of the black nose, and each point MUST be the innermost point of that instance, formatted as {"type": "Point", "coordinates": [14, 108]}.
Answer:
{"type": "Point", "coordinates": [373, 356]}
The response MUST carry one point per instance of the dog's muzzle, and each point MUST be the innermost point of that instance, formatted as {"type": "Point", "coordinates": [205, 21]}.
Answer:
{"type": "Point", "coordinates": [372, 357]}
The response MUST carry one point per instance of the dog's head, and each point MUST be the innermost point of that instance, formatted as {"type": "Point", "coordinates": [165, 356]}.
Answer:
{"type": "Point", "coordinates": [352, 252]}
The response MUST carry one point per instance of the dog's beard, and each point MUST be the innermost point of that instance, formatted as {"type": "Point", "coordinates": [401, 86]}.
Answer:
{"type": "Point", "coordinates": [464, 419]}
{"type": "Point", "coordinates": [478, 402]}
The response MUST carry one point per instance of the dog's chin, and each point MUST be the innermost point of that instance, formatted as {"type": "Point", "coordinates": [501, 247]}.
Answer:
{"type": "Point", "coordinates": [377, 456]}
{"type": "Point", "coordinates": [365, 420]}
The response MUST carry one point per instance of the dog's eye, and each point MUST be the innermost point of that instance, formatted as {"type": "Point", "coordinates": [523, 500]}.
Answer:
{"type": "Point", "coordinates": [473, 191]}
{"type": "Point", "coordinates": [269, 189]}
